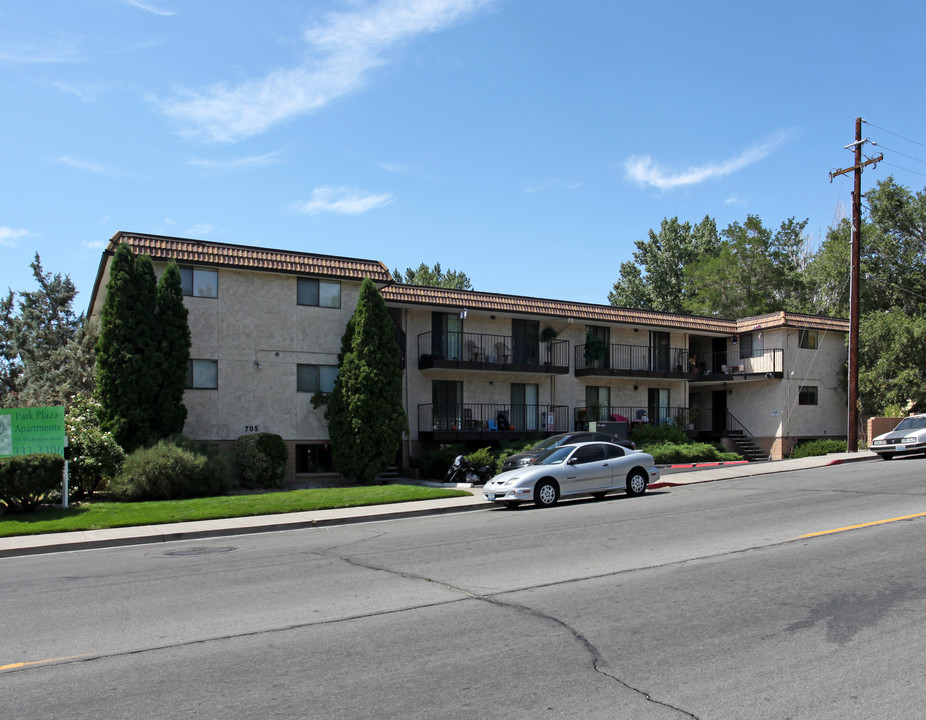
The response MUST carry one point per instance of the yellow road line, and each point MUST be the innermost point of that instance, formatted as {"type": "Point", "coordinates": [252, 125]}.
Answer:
{"type": "Point", "coordinates": [861, 525]}
{"type": "Point", "coordinates": [42, 662]}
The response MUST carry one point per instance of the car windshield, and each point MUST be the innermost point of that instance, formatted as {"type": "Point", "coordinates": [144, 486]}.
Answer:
{"type": "Point", "coordinates": [554, 456]}
{"type": "Point", "coordinates": [550, 442]}
{"type": "Point", "coordinates": [912, 423]}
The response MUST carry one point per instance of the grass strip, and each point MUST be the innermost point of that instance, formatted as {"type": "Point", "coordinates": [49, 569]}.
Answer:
{"type": "Point", "coordinates": [99, 515]}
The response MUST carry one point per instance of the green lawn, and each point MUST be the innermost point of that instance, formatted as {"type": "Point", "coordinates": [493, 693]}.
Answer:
{"type": "Point", "coordinates": [97, 515]}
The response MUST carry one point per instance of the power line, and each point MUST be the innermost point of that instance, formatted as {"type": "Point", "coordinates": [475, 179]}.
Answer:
{"type": "Point", "coordinates": [915, 142]}
{"type": "Point", "coordinates": [885, 147]}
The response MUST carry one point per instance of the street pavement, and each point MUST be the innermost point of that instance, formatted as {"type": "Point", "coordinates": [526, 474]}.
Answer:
{"type": "Point", "coordinates": [112, 537]}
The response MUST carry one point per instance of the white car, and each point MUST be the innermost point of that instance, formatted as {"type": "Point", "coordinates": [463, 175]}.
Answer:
{"type": "Point", "coordinates": [908, 437]}
{"type": "Point", "coordinates": [592, 468]}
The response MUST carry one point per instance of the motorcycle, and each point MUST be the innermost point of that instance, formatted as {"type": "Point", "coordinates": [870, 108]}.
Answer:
{"type": "Point", "coordinates": [463, 471]}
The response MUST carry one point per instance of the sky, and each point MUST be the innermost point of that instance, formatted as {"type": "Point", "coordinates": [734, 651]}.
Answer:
{"type": "Point", "coordinates": [527, 143]}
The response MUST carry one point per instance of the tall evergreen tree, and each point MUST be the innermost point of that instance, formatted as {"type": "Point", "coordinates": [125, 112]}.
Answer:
{"type": "Point", "coordinates": [366, 418]}
{"type": "Point", "coordinates": [173, 354]}
{"type": "Point", "coordinates": [127, 366]}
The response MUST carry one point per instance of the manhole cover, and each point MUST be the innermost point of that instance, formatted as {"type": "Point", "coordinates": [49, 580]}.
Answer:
{"type": "Point", "coordinates": [186, 552]}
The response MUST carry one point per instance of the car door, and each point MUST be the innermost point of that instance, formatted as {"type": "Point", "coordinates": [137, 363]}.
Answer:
{"type": "Point", "coordinates": [619, 463]}
{"type": "Point", "coordinates": [587, 470]}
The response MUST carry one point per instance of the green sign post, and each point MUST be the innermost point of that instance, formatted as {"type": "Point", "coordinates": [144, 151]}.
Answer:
{"type": "Point", "coordinates": [27, 431]}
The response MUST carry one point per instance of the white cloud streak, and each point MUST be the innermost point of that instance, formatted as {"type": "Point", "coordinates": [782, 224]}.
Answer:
{"type": "Point", "coordinates": [8, 236]}
{"type": "Point", "coordinates": [87, 165]}
{"type": "Point", "coordinates": [343, 49]}
{"type": "Point", "coordinates": [242, 163]}
{"type": "Point", "coordinates": [343, 201]}
{"type": "Point", "coordinates": [642, 170]}
{"type": "Point", "coordinates": [148, 7]}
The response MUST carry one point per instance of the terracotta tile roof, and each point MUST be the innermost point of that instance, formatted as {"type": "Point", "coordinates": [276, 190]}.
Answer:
{"type": "Point", "coordinates": [198, 252]}
{"type": "Point", "coordinates": [516, 304]}
{"type": "Point", "coordinates": [796, 320]}
{"type": "Point", "coordinates": [519, 305]}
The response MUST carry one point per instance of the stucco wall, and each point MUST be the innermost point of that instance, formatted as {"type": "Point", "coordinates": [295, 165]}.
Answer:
{"type": "Point", "coordinates": [259, 334]}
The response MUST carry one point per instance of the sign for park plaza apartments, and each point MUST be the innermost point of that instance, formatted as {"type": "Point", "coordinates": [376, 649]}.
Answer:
{"type": "Point", "coordinates": [26, 431]}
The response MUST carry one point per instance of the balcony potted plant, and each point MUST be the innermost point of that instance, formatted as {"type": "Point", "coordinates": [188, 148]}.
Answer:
{"type": "Point", "coordinates": [547, 336]}
{"type": "Point", "coordinates": [595, 350]}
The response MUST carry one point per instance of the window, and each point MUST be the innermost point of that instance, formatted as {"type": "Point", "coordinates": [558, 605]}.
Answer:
{"type": "Point", "coordinates": [589, 453]}
{"type": "Point", "coordinates": [196, 282]}
{"type": "Point", "coordinates": [314, 378]}
{"type": "Point", "coordinates": [807, 339]}
{"type": "Point", "coordinates": [597, 403]}
{"type": "Point", "coordinates": [320, 293]}
{"type": "Point", "coordinates": [752, 346]}
{"type": "Point", "coordinates": [313, 458]}
{"type": "Point", "coordinates": [807, 395]}
{"type": "Point", "coordinates": [202, 374]}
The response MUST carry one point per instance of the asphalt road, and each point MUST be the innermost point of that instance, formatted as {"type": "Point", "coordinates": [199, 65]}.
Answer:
{"type": "Point", "coordinates": [704, 601]}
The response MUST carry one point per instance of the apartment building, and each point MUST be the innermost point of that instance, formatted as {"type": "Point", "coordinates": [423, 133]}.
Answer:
{"type": "Point", "coordinates": [479, 367]}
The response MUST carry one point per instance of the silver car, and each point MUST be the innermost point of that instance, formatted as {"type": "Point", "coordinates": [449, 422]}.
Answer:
{"type": "Point", "coordinates": [592, 468]}
{"type": "Point", "coordinates": [908, 437]}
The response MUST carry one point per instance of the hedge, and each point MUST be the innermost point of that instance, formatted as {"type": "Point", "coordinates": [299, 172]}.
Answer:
{"type": "Point", "coordinates": [26, 479]}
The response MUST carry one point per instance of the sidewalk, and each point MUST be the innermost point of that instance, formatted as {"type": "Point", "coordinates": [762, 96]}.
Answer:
{"type": "Point", "coordinates": [84, 540]}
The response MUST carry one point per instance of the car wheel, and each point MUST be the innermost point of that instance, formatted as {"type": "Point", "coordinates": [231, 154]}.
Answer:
{"type": "Point", "coordinates": [636, 481]}
{"type": "Point", "coordinates": [512, 504]}
{"type": "Point", "coordinates": [546, 494]}
{"type": "Point", "coordinates": [887, 456]}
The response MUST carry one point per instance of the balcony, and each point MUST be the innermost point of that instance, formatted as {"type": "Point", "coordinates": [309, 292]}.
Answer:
{"type": "Point", "coordinates": [762, 363]}
{"type": "Point", "coordinates": [477, 351]}
{"type": "Point", "coordinates": [633, 361]}
{"type": "Point", "coordinates": [633, 415]}
{"type": "Point", "coordinates": [489, 421]}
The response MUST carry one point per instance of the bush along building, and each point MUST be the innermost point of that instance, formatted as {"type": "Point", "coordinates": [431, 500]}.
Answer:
{"type": "Point", "coordinates": [266, 327]}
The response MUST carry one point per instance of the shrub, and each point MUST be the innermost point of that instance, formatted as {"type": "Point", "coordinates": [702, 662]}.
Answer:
{"type": "Point", "coordinates": [666, 433]}
{"type": "Point", "coordinates": [433, 463]}
{"type": "Point", "coordinates": [26, 479]}
{"type": "Point", "coordinates": [667, 453]}
{"type": "Point", "coordinates": [95, 454]}
{"type": "Point", "coordinates": [810, 448]}
{"type": "Point", "coordinates": [485, 456]}
{"type": "Point", "coordinates": [260, 459]}
{"type": "Point", "coordinates": [173, 468]}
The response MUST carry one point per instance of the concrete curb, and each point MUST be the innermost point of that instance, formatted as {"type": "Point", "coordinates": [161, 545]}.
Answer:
{"type": "Point", "coordinates": [25, 545]}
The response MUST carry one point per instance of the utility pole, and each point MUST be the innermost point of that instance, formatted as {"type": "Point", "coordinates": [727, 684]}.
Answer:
{"type": "Point", "coordinates": [854, 262]}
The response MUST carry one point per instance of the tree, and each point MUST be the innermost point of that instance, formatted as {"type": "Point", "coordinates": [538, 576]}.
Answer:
{"type": "Point", "coordinates": [128, 367]}
{"type": "Point", "coordinates": [664, 257]}
{"type": "Point", "coordinates": [45, 357]}
{"type": "Point", "coordinates": [173, 354]}
{"type": "Point", "coordinates": [365, 415]}
{"type": "Point", "coordinates": [756, 271]}
{"type": "Point", "coordinates": [892, 361]}
{"type": "Point", "coordinates": [434, 277]}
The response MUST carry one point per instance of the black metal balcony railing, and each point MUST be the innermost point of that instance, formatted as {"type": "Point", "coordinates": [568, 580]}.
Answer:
{"type": "Point", "coordinates": [630, 360]}
{"type": "Point", "coordinates": [480, 351]}
{"type": "Point", "coordinates": [645, 361]}
{"type": "Point", "coordinates": [633, 415]}
{"type": "Point", "coordinates": [734, 362]}
{"type": "Point", "coordinates": [492, 417]}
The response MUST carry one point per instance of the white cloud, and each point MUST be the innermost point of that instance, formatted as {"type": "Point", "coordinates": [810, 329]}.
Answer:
{"type": "Point", "coordinates": [644, 171]}
{"type": "Point", "coordinates": [242, 163]}
{"type": "Point", "coordinates": [9, 235]}
{"type": "Point", "coordinates": [148, 7]}
{"type": "Point", "coordinates": [344, 201]}
{"type": "Point", "coordinates": [87, 165]}
{"type": "Point", "coordinates": [552, 185]}
{"type": "Point", "coordinates": [343, 49]}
